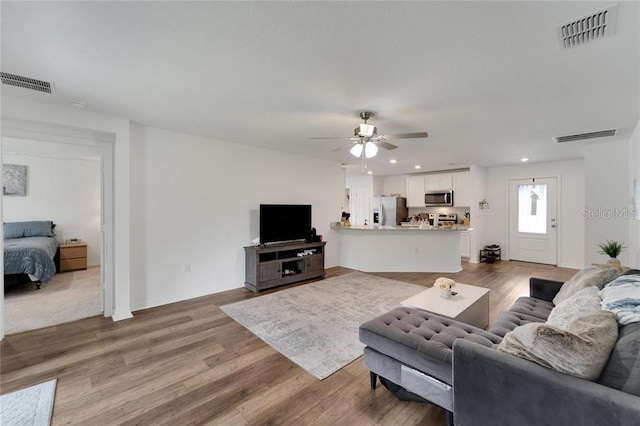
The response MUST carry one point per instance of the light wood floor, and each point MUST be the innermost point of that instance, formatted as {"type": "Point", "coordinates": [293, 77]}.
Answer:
{"type": "Point", "coordinates": [188, 363]}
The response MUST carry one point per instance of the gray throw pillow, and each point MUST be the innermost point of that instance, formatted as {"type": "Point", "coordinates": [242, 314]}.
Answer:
{"type": "Point", "coordinates": [582, 350]}
{"type": "Point", "coordinates": [587, 277]}
{"type": "Point", "coordinates": [584, 302]}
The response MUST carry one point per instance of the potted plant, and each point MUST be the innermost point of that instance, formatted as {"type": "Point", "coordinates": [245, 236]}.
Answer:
{"type": "Point", "coordinates": [612, 249]}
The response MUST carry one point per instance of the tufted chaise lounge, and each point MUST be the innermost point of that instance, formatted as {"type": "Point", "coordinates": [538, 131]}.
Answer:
{"type": "Point", "coordinates": [405, 343]}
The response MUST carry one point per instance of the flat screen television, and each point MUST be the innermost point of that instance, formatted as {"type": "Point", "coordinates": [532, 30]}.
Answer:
{"type": "Point", "coordinates": [284, 222]}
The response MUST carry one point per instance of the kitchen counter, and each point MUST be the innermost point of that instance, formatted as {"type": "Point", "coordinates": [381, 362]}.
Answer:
{"type": "Point", "coordinates": [404, 228]}
{"type": "Point", "coordinates": [399, 248]}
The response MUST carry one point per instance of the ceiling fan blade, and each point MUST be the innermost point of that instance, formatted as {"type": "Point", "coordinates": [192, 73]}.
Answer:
{"type": "Point", "coordinates": [342, 146]}
{"type": "Point", "coordinates": [407, 135]}
{"type": "Point", "coordinates": [338, 138]}
{"type": "Point", "coordinates": [386, 145]}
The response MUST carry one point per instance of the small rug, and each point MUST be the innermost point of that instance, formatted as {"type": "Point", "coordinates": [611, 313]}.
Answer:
{"type": "Point", "coordinates": [316, 325]}
{"type": "Point", "coordinates": [31, 406]}
{"type": "Point", "coordinates": [531, 264]}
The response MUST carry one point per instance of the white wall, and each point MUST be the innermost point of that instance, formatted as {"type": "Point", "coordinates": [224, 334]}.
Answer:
{"type": "Point", "coordinates": [607, 193]}
{"type": "Point", "coordinates": [571, 227]}
{"type": "Point", "coordinates": [196, 201]}
{"type": "Point", "coordinates": [62, 186]}
{"type": "Point", "coordinates": [395, 185]}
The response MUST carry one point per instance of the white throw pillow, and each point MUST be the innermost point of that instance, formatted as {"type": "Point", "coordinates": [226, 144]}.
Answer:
{"type": "Point", "coordinates": [584, 302]}
{"type": "Point", "coordinates": [587, 277]}
{"type": "Point", "coordinates": [582, 350]}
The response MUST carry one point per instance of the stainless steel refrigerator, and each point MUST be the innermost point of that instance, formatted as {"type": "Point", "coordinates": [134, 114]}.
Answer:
{"type": "Point", "coordinates": [389, 211]}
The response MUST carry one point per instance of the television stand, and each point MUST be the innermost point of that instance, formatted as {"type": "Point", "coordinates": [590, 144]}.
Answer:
{"type": "Point", "coordinates": [279, 264]}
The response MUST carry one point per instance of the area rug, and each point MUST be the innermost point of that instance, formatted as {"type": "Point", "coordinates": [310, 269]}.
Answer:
{"type": "Point", "coordinates": [31, 406]}
{"type": "Point", "coordinates": [316, 325]}
{"type": "Point", "coordinates": [531, 265]}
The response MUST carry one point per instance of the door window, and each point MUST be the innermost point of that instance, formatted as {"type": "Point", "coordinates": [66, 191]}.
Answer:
{"type": "Point", "coordinates": [532, 208]}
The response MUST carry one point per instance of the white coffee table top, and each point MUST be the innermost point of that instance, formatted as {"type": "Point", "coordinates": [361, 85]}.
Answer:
{"type": "Point", "coordinates": [430, 300]}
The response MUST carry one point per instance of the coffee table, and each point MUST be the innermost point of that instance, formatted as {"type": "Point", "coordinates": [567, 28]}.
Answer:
{"type": "Point", "coordinates": [470, 305]}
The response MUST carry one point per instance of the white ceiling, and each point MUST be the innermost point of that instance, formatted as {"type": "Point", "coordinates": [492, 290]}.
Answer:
{"type": "Point", "coordinates": [487, 80]}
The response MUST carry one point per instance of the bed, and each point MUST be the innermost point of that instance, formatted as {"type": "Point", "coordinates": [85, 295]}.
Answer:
{"type": "Point", "coordinates": [30, 249]}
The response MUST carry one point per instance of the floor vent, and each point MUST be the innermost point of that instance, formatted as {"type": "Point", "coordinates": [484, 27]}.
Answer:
{"type": "Point", "coordinates": [584, 30]}
{"type": "Point", "coordinates": [25, 82]}
{"type": "Point", "coordinates": [583, 136]}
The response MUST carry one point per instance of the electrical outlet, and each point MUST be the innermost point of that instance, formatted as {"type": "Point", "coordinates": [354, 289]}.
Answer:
{"type": "Point", "coordinates": [187, 267]}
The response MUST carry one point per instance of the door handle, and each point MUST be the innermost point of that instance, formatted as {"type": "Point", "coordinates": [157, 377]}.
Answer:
{"type": "Point", "coordinates": [553, 225]}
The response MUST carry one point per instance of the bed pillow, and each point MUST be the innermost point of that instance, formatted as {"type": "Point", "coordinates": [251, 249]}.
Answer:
{"type": "Point", "coordinates": [587, 277]}
{"type": "Point", "coordinates": [36, 228]}
{"type": "Point", "coordinates": [584, 302]}
{"type": "Point", "coordinates": [582, 350]}
{"type": "Point", "coordinates": [622, 297]}
{"type": "Point", "coordinates": [12, 230]}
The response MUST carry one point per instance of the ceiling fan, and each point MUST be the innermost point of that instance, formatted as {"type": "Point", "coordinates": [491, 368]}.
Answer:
{"type": "Point", "coordinates": [366, 138]}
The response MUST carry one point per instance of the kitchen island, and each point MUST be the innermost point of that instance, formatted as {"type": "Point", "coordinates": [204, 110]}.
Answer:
{"type": "Point", "coordinates": [399, 248]}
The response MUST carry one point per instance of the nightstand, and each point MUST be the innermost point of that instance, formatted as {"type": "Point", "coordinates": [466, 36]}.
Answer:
{"type": "Point", "coordinates": [73, 257]}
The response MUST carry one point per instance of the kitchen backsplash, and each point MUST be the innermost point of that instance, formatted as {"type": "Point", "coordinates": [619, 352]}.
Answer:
{"type": "Point", "coordinates": [460, 211]}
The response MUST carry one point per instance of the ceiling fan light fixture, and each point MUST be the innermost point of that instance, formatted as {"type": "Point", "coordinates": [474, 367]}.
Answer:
{"type": "Point", "coordinates": [356, 150]}
{"type": "Point", "coordinates": [367, 130]}
{"type": "Point", "coordinates": [370, 149]}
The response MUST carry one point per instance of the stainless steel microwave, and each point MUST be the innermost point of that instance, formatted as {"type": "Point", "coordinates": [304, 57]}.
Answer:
{"type": "Point", "coordinates": [438, 198]}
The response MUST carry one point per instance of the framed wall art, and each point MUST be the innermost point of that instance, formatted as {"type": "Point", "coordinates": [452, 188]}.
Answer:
{"type": "Point", "coordinates": [14, 180]}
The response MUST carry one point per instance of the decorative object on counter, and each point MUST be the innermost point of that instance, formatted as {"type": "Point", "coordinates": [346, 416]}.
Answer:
{"type": "Point", "coordinates": [612, 249]}
{"type": "Point", "coordinates": [490, 253]}
{"type": "Point", "coordinates": [345, 219]}
{"type": "Point", "coordinates": [467, 219]}
{"type": "Point", "coordinates": [445, 285]}
{"type": "Point", "coordinates": [484, 204]}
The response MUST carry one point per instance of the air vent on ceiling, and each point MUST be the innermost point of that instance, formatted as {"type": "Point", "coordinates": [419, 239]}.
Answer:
{"type": "Point", "coordinates": [25, 82]}
{"type": "Point", "coordinates": [583, 136]}
{"type": "Point", "coordinates": [583, 30]}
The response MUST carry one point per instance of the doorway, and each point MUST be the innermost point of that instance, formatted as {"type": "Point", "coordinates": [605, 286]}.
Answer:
{"type": "Point", "coordinates": [64, 186]}
{"type": "Point", "coordinates": [533, 220]}
{"type": "Point", "coordinates": [105, 141]}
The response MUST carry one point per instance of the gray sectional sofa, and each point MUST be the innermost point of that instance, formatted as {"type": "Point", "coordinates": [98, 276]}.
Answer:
{"type": "Point", "coordinates": [422, 356]}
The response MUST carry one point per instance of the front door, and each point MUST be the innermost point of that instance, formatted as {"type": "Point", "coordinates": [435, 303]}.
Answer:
{"type": "Point", "coordinates": [533, 223]}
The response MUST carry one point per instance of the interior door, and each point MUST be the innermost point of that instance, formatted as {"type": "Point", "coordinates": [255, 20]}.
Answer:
{"type": "Point", "coordinates": [361, 210]}
{"type": "Point", "coordinates": [533, 224]}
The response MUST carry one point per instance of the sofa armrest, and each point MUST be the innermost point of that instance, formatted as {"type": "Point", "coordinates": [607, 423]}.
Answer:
{"type": "Point", "coordinates": [494, 388]}
{"type": "Point", "coordinates": [543, 289]}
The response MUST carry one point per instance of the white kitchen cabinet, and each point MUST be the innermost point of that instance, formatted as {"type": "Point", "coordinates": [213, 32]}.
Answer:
{"type": "Point", "coordinates": [462, 191]}
{"type": "Point", "coordinates": [464, 244]}
{"type": "Point", "coordinates": [415, 191]}
{"type": "Point", "coordinates": [438, 182]}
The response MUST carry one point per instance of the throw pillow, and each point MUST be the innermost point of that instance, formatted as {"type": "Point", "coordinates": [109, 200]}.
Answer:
{"type": "Point", "coordinates": [582, 350]}
{"type": "Point", "coordinates": [622, 297]}
{"type": "Point", "coordinates": [584, 302]}
{"type": "Point", "coordinates": [12, 230]}
{"type": "Point", "coordinates": [587, 277]}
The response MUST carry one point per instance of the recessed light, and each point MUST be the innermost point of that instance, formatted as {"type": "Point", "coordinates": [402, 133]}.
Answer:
{"type": "Point", "coordinates": [369, 172]}
{"type": "Point", "coordinates": [393, 161]}
{"type": "Point", "coordinates": [524, 159]}
{"type": "Point", "coordinates": [417, 166]}
{"type": "Point", "coordinates": [77, 104]}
